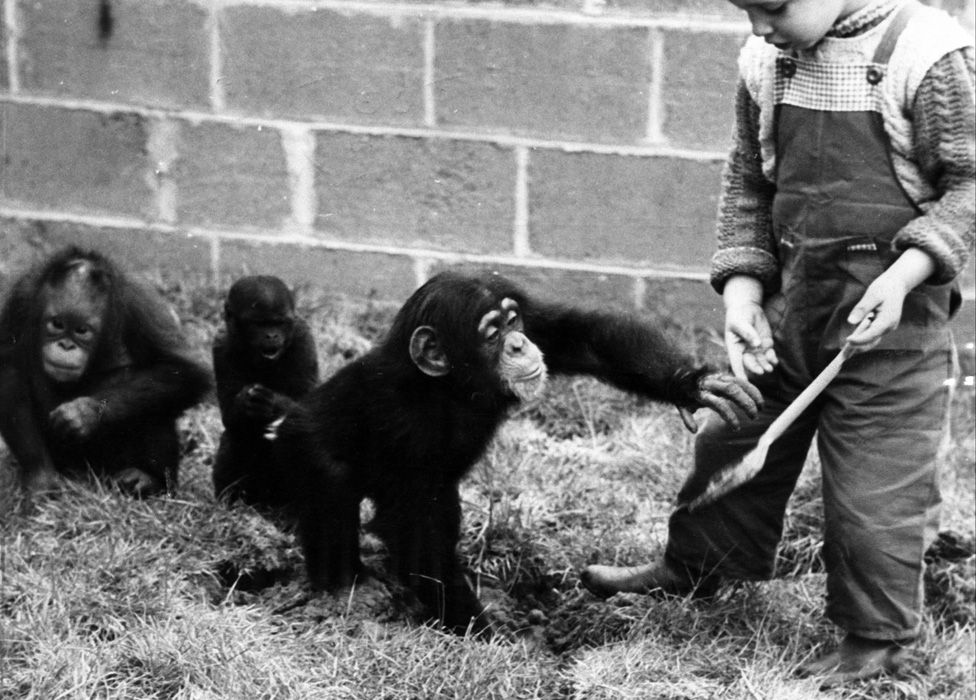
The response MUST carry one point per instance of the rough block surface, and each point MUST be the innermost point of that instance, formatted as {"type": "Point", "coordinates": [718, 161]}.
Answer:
{"type": "Point", "coordinates": [649, 210]}
{"type": "Point", "coordinates": [575, 144]}
{"type": "Point", "coordinates": [149, 254]}
{"type": "Point", "coordinates": [75, 160]}
{"type": "Point", "coordinates": [443, 194]}
{"type": "Point", "coordinates": [347, 67]}
{"type": "Point", "coordinates": [698, 90]}
{"type": "Point", "coordinates": [591, 290]}
{"type": "Point", "coordinates": [232, 176]}
{"type": "Point", "coordinates": [158, 52]}
{"type": "Point", "coordinates": [358, 275]}
{"type": "Point", "coordinates": [553, 80]}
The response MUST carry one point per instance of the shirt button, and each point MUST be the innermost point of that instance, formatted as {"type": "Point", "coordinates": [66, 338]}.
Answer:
{"type": "Point", "coordinates": [789, 67]}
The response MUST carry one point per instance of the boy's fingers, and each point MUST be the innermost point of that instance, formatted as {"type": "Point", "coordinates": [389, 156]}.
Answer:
{"type": "Point", "coordinates": [759, 363]}
{"type": "Point", "coordinates": [736, 361]}
{"type": "Point", "coordinates": [751, 363]}
{"type": "Point", "coordinates": [863, 308]}
{"type": "Point", "coordinates": [748, 335]}
{"type": "Point", "coordinates": [870, 327]}
{"type": "Point", "coordinates": [744, 361]}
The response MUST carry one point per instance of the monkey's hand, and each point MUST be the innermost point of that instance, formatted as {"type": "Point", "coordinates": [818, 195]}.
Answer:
{"type": "Point", "coordinates": [258, 403]}
{"type": "Point", "coordinates": [723, 393]}
{"type": "Point", "coordinates": [77, 419]}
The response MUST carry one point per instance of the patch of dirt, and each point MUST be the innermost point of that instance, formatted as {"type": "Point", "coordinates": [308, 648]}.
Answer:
{"type": "Point", "coordinates": [528, 599]}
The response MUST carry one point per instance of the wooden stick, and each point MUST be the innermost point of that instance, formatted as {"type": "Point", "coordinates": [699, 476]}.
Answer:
{"type": "Point", "coordinates": [736, 474]}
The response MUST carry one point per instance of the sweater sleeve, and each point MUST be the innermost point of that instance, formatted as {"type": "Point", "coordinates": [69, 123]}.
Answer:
{"type": "Point", "coordinates": [745, 233]}
{"type": "Point", "coordinates": [944, 118]}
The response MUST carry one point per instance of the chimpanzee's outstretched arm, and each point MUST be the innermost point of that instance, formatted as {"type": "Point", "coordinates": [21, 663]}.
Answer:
{"type": "Point", "coordinates": [634, 356]}
{"type": "Point", "coordinates": [615, 348]}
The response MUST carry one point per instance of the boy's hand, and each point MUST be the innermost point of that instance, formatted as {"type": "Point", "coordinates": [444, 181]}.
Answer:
{"type": "Point", "coordinates": [748, 340]}
{"type": "Point", "coordinates": [748, 337]}
{"type": "Point", "coordinates": [885, 297]}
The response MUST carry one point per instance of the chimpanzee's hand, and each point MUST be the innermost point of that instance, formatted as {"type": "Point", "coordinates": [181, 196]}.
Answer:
{"type": "Point", "coordinates": [77, 419]}
{"type": "Point", "coordinates": [259, 403]}
{"type": "Point", "coordinates": [722, 393]}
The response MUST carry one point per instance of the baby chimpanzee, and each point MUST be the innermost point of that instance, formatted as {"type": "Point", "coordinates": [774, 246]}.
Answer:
{"type": "Point", "coordinates": [264, 360]}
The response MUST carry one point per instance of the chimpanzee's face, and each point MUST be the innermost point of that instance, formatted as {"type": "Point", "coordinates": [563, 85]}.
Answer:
{"type": "Point", "coordinates": [260, 312]}
{"type": "Point", "coordinates": [268, 337]}
{"type": "Point", "coordinates": [516, 361]}
{"type": "Point", "coordinates": [474, 336]}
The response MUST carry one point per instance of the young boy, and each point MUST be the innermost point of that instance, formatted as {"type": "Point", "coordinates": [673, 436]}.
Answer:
{"type": "Point", "coordinates": [850, 191]}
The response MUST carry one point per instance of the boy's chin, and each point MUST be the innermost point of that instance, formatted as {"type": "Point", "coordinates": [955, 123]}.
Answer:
{"type": "Point", "coordinates": [794, 45]}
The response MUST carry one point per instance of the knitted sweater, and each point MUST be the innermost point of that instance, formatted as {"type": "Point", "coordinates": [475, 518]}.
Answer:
{"type": "Point", "coordinates": [932, 129]}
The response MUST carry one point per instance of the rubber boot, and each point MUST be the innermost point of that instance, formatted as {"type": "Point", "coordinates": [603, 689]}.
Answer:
{"type": "Point", "coordinates": [856, 659]}
{"type": "Point", "coordinates": [655, 577]}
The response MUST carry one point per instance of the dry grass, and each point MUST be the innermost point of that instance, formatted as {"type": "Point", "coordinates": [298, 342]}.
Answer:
{"type": "Point", "coordinates": [104, 596]}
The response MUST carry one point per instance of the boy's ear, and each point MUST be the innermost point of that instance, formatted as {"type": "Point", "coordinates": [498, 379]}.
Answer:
{"type": "Point", "coordinates": [427, 353]}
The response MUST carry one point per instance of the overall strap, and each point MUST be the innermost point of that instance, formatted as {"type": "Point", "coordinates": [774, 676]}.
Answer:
{"type": "Point", "coordinates": [887, 45]}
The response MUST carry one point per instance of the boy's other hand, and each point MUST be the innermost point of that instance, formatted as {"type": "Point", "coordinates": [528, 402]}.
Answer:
{"type": "Point", "coordinates": [748, 340]}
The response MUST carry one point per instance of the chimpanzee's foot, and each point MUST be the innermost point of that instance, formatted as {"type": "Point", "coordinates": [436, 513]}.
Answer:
{"type": "Point", "coordinates": [39, 485]}
{"type": "Point", "coordinates": [42, 482]}
{"type": "Point", "coordinates": [655, 577]}
{"type": "Point", "coordinates": [138, 483]}
{"type": "Point", "coordinates": [855, 659]}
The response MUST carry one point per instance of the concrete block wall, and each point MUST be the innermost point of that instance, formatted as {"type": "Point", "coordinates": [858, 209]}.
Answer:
{"type": "Point", "coordinates": [362, 145]}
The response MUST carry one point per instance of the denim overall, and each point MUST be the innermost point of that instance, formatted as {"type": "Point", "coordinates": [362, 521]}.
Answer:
{"type": "Point", "coordinates": [837, 207]}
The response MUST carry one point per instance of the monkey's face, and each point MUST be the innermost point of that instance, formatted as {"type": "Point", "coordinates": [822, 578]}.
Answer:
{"type": "Point", "coordinates": [261, 337]}
{"type": "Point", "coordinates": [268, 339]}
{"type": "Point", "coordinates": [260, 315]}
{"type": "Point", "coordinates": [516, 361]}
{"type": "Point", "coordinates": [71, 324]}
{"type": "Point", "coordinates": [494, 357]}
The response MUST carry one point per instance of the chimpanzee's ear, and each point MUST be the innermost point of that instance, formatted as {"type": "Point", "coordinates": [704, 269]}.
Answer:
{"type": "Point", "coordinates": [427, 353]}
